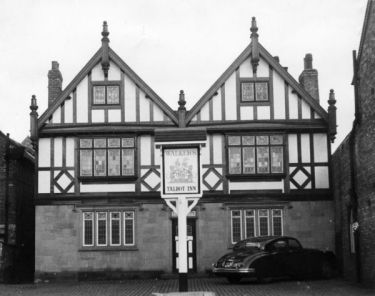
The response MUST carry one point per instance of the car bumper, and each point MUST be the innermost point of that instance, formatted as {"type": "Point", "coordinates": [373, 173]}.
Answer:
{"type": "Point", "coordinates": [232, 271]}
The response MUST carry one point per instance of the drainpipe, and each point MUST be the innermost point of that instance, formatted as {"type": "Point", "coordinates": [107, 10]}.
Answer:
{"type": "Point", "coordinates": [6, 200]}
{"type": "Point", "coordinates": [353, 167]}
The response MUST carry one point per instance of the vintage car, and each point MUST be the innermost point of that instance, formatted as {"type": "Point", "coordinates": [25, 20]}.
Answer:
{"type": "Point", "coordinates": [274, 257]}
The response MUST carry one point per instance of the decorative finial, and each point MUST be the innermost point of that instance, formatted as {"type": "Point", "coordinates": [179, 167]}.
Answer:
{"type": "Point", "coordinates": [105, 49]}
{"type": "Point", "coordinates": [33, 106]}
{"type": "Point", "coordinates": [254, 45]}
{"type": "Point", "coordinates": [33, 122]}
{"type": "Point", "coordinates": [332, 116]}
{"type": "Point", "coordinates": [181, 101]}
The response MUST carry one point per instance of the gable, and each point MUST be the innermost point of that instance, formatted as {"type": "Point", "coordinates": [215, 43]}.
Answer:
{"type": "Point", "coordinates": [137, 102]}
{"type": "Point", "coordinates": [287, 100]}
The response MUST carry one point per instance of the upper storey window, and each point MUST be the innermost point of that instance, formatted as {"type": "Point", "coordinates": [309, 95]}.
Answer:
{"type": "Point", "coordinates": [102, 158]}
{"type": "Point", "coordinates": [255, 155]}
{"type": "Point", "coordinates": [105, 94]}
{"type": "Point", "coordinates": [254, 91]}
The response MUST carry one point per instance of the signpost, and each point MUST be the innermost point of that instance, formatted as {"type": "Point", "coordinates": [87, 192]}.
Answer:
{"type": "Point", "coordinates": [181, 189]}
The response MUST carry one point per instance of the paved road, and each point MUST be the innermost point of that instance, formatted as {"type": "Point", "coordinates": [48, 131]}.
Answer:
{"type": "Point", "coordinates": [217, 285]}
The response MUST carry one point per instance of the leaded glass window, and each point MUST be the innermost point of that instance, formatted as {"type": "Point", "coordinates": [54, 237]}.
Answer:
{"type": "Point", "coordinates": [101, 228]}
{"type": "Point", "coordinates": [107, 157]}
{"type": "Point", "coordinates": [106, 95]}
{"type": "Point", "coordinates": [129, 228]}
{"type": "Point", "coordinates": [115, 229]}
{"type": "Point", "coordinates": [255, 155]}
{"type": "Point", "coordinates": [236, 226]}
{"type": "Point", "coordinates": [88, 229]}
{"type": "Point", "coordinates": [254, 91]}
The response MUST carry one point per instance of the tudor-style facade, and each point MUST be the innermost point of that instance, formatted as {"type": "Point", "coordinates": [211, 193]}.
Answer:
{"type": "Point", "coordinates": [266, 166]}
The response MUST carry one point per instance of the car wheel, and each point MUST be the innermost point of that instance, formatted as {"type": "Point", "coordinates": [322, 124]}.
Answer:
{"type": "Point", "coordinates": [326, 270]}
{"type": "Point", "coordinates": [234, 279]}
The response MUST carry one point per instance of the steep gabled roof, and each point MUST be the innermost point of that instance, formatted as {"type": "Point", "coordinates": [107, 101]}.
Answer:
{"type": "Point", "coordinates": [275, 65]}
{"type": "Point", "coordinates": [124, 67]}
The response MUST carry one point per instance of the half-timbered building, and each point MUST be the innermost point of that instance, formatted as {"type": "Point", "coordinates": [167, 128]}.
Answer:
{"type": "Point", "coordinates": [266, 166]}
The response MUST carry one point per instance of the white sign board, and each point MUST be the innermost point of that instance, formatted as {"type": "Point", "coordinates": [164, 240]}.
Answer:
{"type": "Point", "coordinates": [181, 171]}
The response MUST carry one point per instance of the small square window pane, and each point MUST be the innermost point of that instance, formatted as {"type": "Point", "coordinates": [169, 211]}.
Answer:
{"type": "Point", "coordinates": [113, 142]}
{"type": "Point", "coordinates": [99, 95]}
{"type": "Point", "coordinates": [250, 212]}
{"type": "Point", "coordinates": [88, 216]}
{"type": "Point", "coordinates": [129, 215]}
{"type": "Point", "coordinates": [276, 213]}
{"type": "Point", "coordinates": [100, 162]}
{"type": "Point", "coordinates": [248, 160]}
{"type": "Point", "coordinates": [127, 142]}
{"type": "Point", "coordinates": [261, 91]}
{"type": "Point", "coordinates": [247, 91]}
{"type": "Point", "coordinates": [234, 140]}
{"type": "Point", "coordinates": [127, 162]}
{"type": "Point", "coordinates": [115, 215]}
{"type": "Point", "coordinates": [263, 213]}
{"type": "Point", "coordinates": [100, 143]}
{"type": "Point", "coordinates": [236, 213]}
{"type": "Point", "coordinates": [248, 140]}
{"type": "Point", "coordinates": [113, 94]}
{"type": "Point", "coordinates": [262, 140]}
{"type": "Point", "coordinates": [276, 140]}
{"type": "Point", "coordinates": [88, 230]}
{"type": "Point", "coordinates": [113, 162]}
{"type": "Point", "coordinates": [235, 160]}
{"type": "Point", "coordinates": [85, 163]}
{"type": "Point", "coordinates": [102, 215]}
{"type": "Point", "coordinates": [85, 143]}
{"type": "Point", "coordinates": [263, 160]}
{"type": "Point", "coordinates": [277, 159]}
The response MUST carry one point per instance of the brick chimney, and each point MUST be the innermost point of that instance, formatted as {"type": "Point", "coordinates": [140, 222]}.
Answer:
{"type": "Point", "coordinates": [54, 83]}
{"type": "Point", "coordinates": [309, 77]}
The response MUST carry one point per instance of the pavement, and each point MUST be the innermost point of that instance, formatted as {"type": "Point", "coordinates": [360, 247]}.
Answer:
{"type": "Point", "coordinates": [217, 285]}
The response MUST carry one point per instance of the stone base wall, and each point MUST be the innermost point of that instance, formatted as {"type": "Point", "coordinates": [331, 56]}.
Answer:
{"type": "Point", "coordinates": [59, 254]}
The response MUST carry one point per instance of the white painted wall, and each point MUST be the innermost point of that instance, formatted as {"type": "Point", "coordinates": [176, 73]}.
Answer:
{"type": "Point", "coordinates": [144, 106]}
{"type": "Point", "coordinates": [114, 72]}
{"type": "Point", "coordinates": [292, 148]}
{"type": "Point", "coordinates": [69, 110]}
{"type": "Point", "coordinates": [247, 112]}
{"type": "Point", "coordinates": [263, 69]}
{"type": "Point", "coordinates": [246, 71]}
{"type": "Point", "coordinates": [305, 147]}
{"type": "Point", "coordinates": [321, 177]}
{"type": "Point", "coordinates": [44, 179]}
{"type": "Point", "coordinates": [56, 117]}
{"type": "Point", "coordinates": [306, 114]}
{"type": "Point", "coordinates": [97, 115]}
{"type": "Point", "coordinates": [293, 105]}
{"type": "Point", "coordinates": [263, 112]}
{"type": "Point", "coordinates": [82, 101]}
{"type": "Point", "coordinates": [231, 98]}
{"type": "Point", "coordinates": [97, 73]}
{"type": "Point", "coordinates": [320, 148]}
{"type": "Point", "coordinates": [44, 155]}
{"type": "Point", "coordinates": [205, 111]}
{"type": "Point", "coordinates": [130, 100]}
{"type": "Point", "coordinates": [217, 140]}
{"type": "Point", "coordinates": [107, 188]}
{"type": "Point", "coordinates": [256, 185]}
{"type": "Point", "coordinates": [216, 102]}
{"type": "Point", "coordinates": [58, 152]}
{"type": "Point", "coordinates": [70, 150]}
{"type": "Point", "coordinates": [278, 96]}
{"type": "Point", "coordinates": [114, 115]}
{"type": "Point", "coordinates": [145, 147]}
{"type": "Point", "coordinates": [158, 114]}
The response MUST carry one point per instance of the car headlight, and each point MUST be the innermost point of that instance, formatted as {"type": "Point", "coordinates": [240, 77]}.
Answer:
{"type": "Point", "coordinates": [238, 265]}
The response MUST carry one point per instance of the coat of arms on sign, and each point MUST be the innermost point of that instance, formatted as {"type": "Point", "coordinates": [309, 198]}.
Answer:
{"type": "Point", "coordinates": [181, 172]}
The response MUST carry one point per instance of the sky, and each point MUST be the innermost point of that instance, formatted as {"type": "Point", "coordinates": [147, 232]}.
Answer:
{"type": "Point", "coordinates": [173, 45]}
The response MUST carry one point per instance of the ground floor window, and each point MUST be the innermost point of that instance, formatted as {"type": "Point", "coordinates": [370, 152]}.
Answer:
{"type": "Point", "coordinates": [247, 223]}
{"type": "Point", "coordinates": [103, 228]}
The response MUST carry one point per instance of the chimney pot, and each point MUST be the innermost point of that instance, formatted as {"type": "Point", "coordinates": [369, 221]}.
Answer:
{"type": "Point", "coordinates": [309, 77]}
{"type": "Point", "coordinates": [308, 61]}
{"type": "Point", "coordinates": [54, 82]}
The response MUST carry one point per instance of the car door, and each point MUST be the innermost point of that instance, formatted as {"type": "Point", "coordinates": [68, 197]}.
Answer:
{"type": "Point", "coordinates": [295, 259]}
{"type": "Point", "coordinates": [277, 253]}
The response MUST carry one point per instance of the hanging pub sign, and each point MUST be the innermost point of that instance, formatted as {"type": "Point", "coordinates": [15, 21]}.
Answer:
{"type": "Point", "coordinates": [181, 171]}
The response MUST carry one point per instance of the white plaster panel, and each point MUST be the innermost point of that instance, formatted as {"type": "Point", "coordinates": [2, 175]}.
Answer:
{"type": "Point", "coordinates": [316, 116]}
{"type": "Point", "coordinates": [306, 114]}
{"type": "Point", "coordinates": [107, 187]}
{"type": "Point", "coordinates": [145, 146]}
{"type": "Point", "coordinates": [308, 186]}
{"type": "Point", "coordinates": [157, 156]}
{"type": "Point", "coordinates": [69, 110]}
{"type": "Point", "coordinates": [97, 73]}
{"type": "Point", "coordinates": [305, 147]}
{"type": "Point", "coordinates": [44, 154]}
{"type": "Point", "coordinates": [114, 72]}
{"type": "Point", "coordinates": [293, 105]}
{"type": "Point", "coordinates": [278, 96]}
{"type": "Point", "coordinates": [114, 115]}
{"type": "Point", "coordinates": [44, 180]}
{"type": "Point", "coordinates": [216, 106]}
{"type": "Point", "coordinates": [144, 106]}
{"type": "Point", "coordinates": [217, 141]}
{"type": "Point", "coordinates": [256, 185]}
{"type": "Point", "coordinates": [70, 149]}
{"type": "Point", "coordinates": [56, 117]}
{"type": "Point", "coordinates": [195, 118]}
{"type": "Point", "coordinates": [158, 114]}
{"type": "Point", "coordinates": [97, 115]}
{"type": "Point", "coordinates": [247, 112]}
{"type": "Point", "coordinates": [205, 111]}
{"type": "Point", "coordinates": [204, 187]}
{"type": "Point", "coordinates": [321, 177]}
{"type": "Point", "coordinates": [292, 148]}
{"type": "Point", "coordinates": [82, 101]}
{"type": "Point", "coordinates": [58, 151]}
{"type": "Point", "coordinates": [144, 188]}
{"type": "Point", "coordinates": [130, 100]}
{"type": "Point", "coordinates": [320, 148]}
{"type": "Point", "coordinates": [263, 69]}
{"type": "Point", "coordinates": [246, 71]}
{"type": "Point", "coordinates": [231, 98]}
{"type": "Point", "coordinates": [263, 112]}
{"type": "Point", "coordinates": [205, 154]}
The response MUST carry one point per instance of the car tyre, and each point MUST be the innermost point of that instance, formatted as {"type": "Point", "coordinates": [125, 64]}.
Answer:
{"type": "Point", "coordinates": [326, 270]}
{"type": "Point", "coordinates": [234, 279]}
